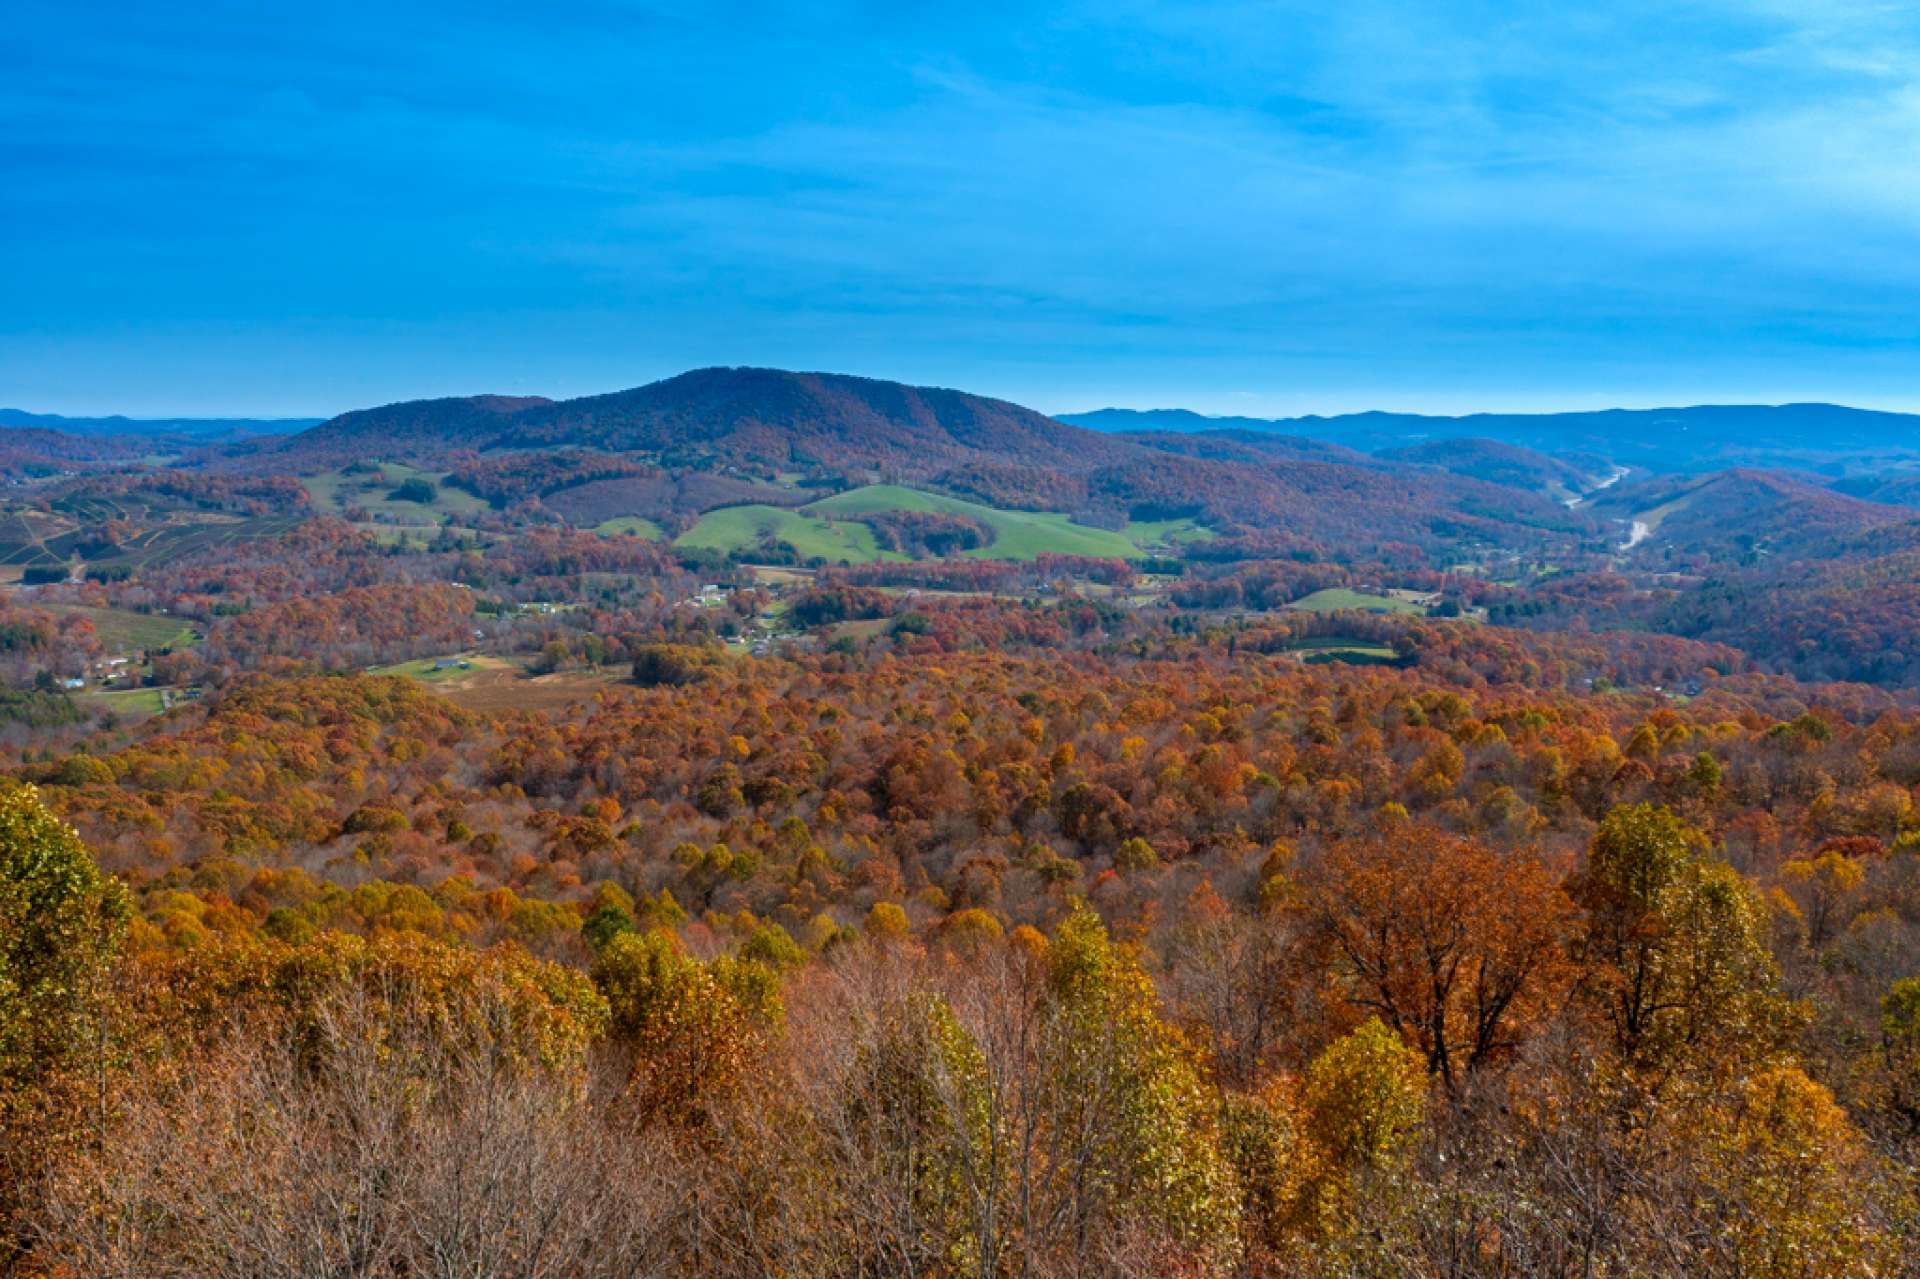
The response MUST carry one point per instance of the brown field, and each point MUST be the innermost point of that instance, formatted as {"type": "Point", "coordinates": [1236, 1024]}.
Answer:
{"type": "Point", "coordinates": [495, 689]}
{"type": "Point", "coordinates": [773, 576]}
{"type": "Point", "coordinates": [865, 629]}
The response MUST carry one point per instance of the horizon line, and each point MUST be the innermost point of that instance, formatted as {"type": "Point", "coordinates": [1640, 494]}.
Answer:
{"type": "Point", "coordinates": [1449, 408]}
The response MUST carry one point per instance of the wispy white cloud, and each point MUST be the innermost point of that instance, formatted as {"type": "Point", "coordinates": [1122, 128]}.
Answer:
{"type": "Point", "coordinates": [1378, 197]}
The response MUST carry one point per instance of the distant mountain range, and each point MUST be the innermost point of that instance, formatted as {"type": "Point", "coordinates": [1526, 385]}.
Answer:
{"type": "Point", "coordinates": [830, 418]}
{"type": "Point", "coordinates": [1698, 437]}
{"type": "Point", "coordinates": [203, 430]}
{"type": "Point", "coordinates": [1353, 479]}
{"type": "Point", "coordinates": [826, 416]}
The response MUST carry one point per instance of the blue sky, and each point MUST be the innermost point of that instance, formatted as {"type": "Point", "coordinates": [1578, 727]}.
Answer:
{"type": "Point", "coordinates": [1237, 207]}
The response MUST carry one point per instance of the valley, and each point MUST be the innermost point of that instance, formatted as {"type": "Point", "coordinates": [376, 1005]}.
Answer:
{"type": "Point", "coordinates": [808, 706]}
{"type": "Point", "coordinates": [809, 471]}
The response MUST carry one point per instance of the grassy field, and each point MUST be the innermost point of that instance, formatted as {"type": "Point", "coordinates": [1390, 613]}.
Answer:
{"type": "Point", "coordinates": [127, 703]}
{"type": "Point", "coordinates": [1335, 648]}
{"type": "Point", "coordinates": [633, 526]}
{"type": "Point", "coordinates": [1338, 598]}
{"type": "Point", "coordinates": [830, 528]}
{"type": "Point", "coordinates": [1169, 533]}
{"type": "Point", "coordinates": [734, 528]}
{"type": "Point", "coordinates": [123, 631]}
{"type": "Point", "coordinates": [1017, 535]}
{"type": "Point", "coordinates": [334, 491]}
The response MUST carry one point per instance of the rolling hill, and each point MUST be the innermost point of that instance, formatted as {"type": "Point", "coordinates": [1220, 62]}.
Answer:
{"type": "Point", "coordinates": [829, 419]}
{"type": "Point", "coordinates": [1508, 465]}
{"type": "Point", "coordinates": [1017, 535]}
{"type": "Point", "coordinates": [411, 431]}
{"type": "Point", "coordinates": [1743, 512]}
{"type": "Point", "coordinates": [1331, 503]}
{"type": "Point", "coordinates": [1899, 487]}
{"type": "Point", "coordinates": [30, 452]}
{"type": "Point", "coordinates": [839, 528]}
{"type": "Point", "coordinates": [768, 417]}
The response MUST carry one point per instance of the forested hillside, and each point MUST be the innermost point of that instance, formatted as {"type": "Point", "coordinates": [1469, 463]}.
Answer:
{"type": "Point", "coordinates": [1010, 937]}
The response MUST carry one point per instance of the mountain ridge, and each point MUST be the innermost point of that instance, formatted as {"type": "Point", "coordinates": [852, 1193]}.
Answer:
{"type": "Point", "coordinates": [763, 415]}
{"type": "Point", "coordinates": [1685, 437]}
{"type": "Point", "coordinates": [761, 424]}
{"type": "Point", "coordinates": [198, 429]}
